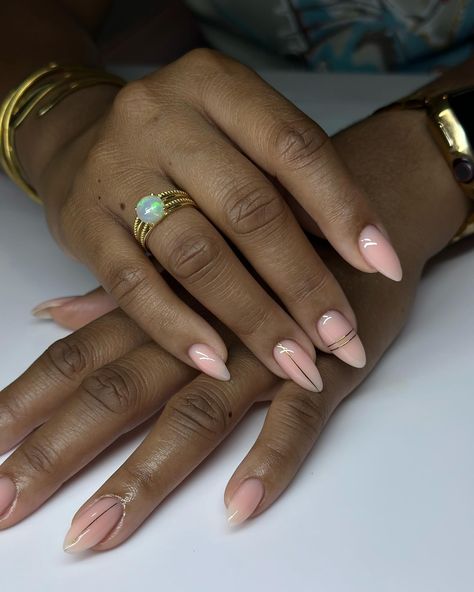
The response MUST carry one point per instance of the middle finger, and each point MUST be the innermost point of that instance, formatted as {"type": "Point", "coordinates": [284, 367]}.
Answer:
{"type": "Point", "coordinates": [250, 211]}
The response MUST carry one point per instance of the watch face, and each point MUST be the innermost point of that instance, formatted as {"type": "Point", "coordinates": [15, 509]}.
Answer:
{"type": "Point", "coordinates": [462, 103]}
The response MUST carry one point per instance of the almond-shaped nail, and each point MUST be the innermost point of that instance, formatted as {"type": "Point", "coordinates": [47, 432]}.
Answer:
{"type": "Point", "coordinates": [245, 500]}
{"type": "Point", "coordinates": [209, 361]}
{"type": "Point", "coordinates": [8, 493]}
{"type": "Point", "coordinates": [379, 253]}
{"type": "Point", "coordinates": [92, 525]}
{"type": "Point", "coordinates": [297, 364]}
{"type": "Point", "coordinates": [341, 338]}
{"type": "Point", "coordinates": [42, 310]}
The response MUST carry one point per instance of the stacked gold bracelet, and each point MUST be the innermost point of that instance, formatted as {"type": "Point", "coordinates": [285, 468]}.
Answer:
{"type": "Point", "coordinates": [48, 87]}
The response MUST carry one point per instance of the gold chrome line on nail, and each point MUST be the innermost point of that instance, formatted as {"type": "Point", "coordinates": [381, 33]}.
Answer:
{"type": "Point", "coordinates": [284, 350]}
{"type": "Point", "coordinates": [78, 537]}
{"type": "Point", "coordinates": [342, 341]}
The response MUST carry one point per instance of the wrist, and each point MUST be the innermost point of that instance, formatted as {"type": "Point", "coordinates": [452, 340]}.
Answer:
{"type": "Point", "coordinates": [404, 172]}
{"type": "Point", "coordinates": [39, 140]}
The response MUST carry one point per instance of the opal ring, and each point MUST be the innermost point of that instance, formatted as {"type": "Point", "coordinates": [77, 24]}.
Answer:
{"type": "Point", "coordinates": [153, 208]}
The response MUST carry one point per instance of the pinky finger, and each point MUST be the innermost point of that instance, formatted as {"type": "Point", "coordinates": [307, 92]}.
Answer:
{"type": "Point", "coordinates": [293, 423]}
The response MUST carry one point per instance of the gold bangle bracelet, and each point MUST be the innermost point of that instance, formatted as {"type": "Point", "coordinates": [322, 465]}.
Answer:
{"type": "Point", "coordinates": [47, 87]}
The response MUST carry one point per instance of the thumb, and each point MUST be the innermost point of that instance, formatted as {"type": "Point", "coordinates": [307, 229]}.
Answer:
{"type": "Point", "coordinates": [73, 312]}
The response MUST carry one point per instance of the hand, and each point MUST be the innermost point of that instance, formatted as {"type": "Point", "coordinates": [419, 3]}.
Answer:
{"type": "Point", "coordinates": [212, 127]}
{"type": "Point", "coordinates": [108, 374]}
{"type": "Point", "coordinates": [100, 382]}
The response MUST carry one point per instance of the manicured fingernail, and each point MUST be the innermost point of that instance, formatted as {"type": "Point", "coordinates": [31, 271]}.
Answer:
{"type": "Point", "coordinates": [379, 253]}
{"type": "Point", "coordinates": [8, 493]}
{"type": "Point", "coordinates": [341, 338]}
{"type": "Point", "coordinates": [91, 526]}
{"type": "Point", "coordinates": [293, 360]}
{"type": "Point", "coordinates": [208, 361]}
{"type": "Point", "coordinates": [42, 311]}
{"type": "Point", "coordinates": [245, 500]}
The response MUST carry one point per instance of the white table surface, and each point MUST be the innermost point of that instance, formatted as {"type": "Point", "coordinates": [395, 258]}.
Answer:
{"type": "Point", "coordinates": [383, 504]}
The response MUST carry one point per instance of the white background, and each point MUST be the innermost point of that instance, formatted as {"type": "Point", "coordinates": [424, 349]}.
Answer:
{"type": "Point", "coordinates": [383, 504]}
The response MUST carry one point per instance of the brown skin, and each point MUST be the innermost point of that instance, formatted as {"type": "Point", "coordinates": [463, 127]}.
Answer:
{"type": "Point", "coordinates": [405, 176]}
{"type": "Point", "coordinates": [162, 132]}
{"type": "Point", "coordinates": [101, 375]}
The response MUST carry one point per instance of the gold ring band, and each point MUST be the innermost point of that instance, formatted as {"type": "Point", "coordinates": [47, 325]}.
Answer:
{"type": "Point", "coordinates": [153, 209]}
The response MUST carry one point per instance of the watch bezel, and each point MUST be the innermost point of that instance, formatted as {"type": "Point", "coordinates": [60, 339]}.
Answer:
{"type": "Point", "coordinates": [450, 135]}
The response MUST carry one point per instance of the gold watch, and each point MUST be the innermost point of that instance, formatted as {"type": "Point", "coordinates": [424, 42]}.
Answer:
{"type": "Point", "coordinates": [451, 117]}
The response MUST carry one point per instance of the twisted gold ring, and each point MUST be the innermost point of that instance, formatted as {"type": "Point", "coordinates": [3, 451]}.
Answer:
{"type": "Point", "coordinates": [153, 208]}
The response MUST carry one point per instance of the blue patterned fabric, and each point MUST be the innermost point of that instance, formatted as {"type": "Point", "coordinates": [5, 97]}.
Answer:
{"type": "Point", "coordinates": [352, 35]}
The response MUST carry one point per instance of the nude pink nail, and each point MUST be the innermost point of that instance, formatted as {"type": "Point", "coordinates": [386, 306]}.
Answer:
{"type": "Point", "coordinates": [208, 361]}
{"type": "Point", "coordinates": [379, 253]}
{"type": "Point", "coordinates": [8, 493]}
{"type": "Point", "coordinates": [92, 525]}
{"type": "Point", "coordinates": [42, 310]}
{"type": "Point", "coordinates": [297, 364]}
{"type": "Point", "coordinates": [341, 338]}
{"type": "Point", "coordinates": [245, 500]}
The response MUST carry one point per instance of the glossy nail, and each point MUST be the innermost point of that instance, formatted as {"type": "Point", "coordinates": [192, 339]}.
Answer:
{"type": "Point", "coordinates": [379, 253]}
{"type": "Point", "coordinates": [341, 338]}
{"type": "Point", "coordinates": [208, 361]}
{"type": "Point", "coordinates": [92, 525]}
{"type": "Point", "coordinates": [42, 310]}
{"type": "Point", "coordinates": [8, 493]}
{"type": "Point", "coordinates": [293, 360]}
{"type": "Point", "coordinates": [245, 500]}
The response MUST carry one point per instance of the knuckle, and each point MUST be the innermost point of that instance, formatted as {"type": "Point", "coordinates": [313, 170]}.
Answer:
{"type": "Point", "coordinates": [209, 70]}
{"type": "Point", "coordinates": [203, 57]}
{"type": "Point", "coordinates": [130, 100]}
{"type": "Point", "coordinates": [252, 208]}
{"type": "Point", "coordinates": [310, 287]}
{"type": "Point", "coordinates": [191, 255]}
{"type": "Point", "coordinates": [9, 415]}
{"type": "Point", "coordinates": [112, 390]}
{"type": "Point", "coordinates": [204, 412]}
{"type": "Point", "coordinates": [128, 282]}
{"type": "Point", "coordinates": [68, 358]}
{"type": "Point", "coordinates": [343, 209]}
{"type": "Point", "coordinates": [280, 454]}
{"type": "Point", "coordinates": [252, 320]}
{"type": "Point", "coordinates": [40, 457]}
{"type": "Point", "coordinates": [140, 478]}
{"type": "Point", "coordinates": [304, 413]}
{"type": "Point", "coordinates": [298, 144]}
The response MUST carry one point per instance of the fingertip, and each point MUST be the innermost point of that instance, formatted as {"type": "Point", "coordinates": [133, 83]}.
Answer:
{"type": "Point", "coordinates": [73, 312]}
{"type": "Point", "coordinates": [245, 500]}
{"type": "Point", "coordinates": [378, 252]}
{"type": "Point", "coordinates": [206, 359]}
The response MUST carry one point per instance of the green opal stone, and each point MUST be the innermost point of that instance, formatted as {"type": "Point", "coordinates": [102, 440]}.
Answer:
{"type": "Point", "coordinates": [150, 209]}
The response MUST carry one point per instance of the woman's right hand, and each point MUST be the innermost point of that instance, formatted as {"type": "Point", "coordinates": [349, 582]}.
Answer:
{"type": "Point", "coordinates": [210, 126]}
